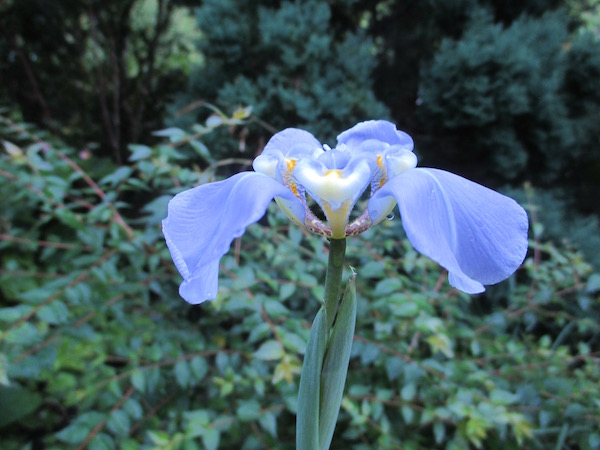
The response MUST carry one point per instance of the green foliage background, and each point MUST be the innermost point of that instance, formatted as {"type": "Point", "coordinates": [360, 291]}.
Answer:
{"type": "Point", "coordinates": [97, 349]}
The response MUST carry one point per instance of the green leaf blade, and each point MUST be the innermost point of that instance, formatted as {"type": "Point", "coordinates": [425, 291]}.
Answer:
{"type": "Point", "coordinates": [335, 365]}
{"type": "Point", "coordinates": [307, 419]}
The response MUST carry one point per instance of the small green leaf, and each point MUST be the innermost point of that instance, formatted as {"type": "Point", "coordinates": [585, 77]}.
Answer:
{"type": "Point", "coordinates": [54, 313]}
{"type": "Point", "coordinates": [77, 430]}
{"type": "Point", "coordinates": [210, 438]}
{"type": "Point", "coordinates": [394, 367]}
{"type": "Point", "coordinates": [24, 334]}
{"type": "Point", "coordinates": [269, 351]}
{"type": "Point", "coordinates": [293, 342]}
{"type": "Point", "coordinates": [182, 373]}
{"type": "Point", "coordinates": [213, 121]}
{"type": "Point", "coordinates": [118, 423]}
{"type": "Point", "coordinates": [268, 422]}
{"type": "Point", "coordinates": [242, 113]}
{"type": "Point", "coordinates": [158, 437]}
{"type": "Point", "coordinates": [119, 175]}
{"type": "Point", "coordinates": [593, 284]}
{"type": "Point", "coordinates": [439, 432]}
{"type": "Point", "coordinates": [286, 291]}
{"type": "Point", "coordinates": [16, 403]}
{"type": "Point", "coordinates": [174, 134]}
{"type": "Point", "coordinates": [139, 152]}
{"type": "Point", "coordinates": [14, 313]}
{"type": "Point", "coordinates": [407, 413]}
{"type": "Point", "coordinates": [408, 392]}
{"type": "Point", "coordinates": [102, 441]}
{"type": "Point", "coordinates": [199, 368]}
{"type": "Point", "coordinates": [248, 410]}
{"type": "Point", "coordinates": [138, 379]}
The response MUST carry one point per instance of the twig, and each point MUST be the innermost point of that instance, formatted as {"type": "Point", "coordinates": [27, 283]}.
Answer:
{"type": "Point", "coordinates": [99, 427]}
{"type": "Point", "coordinates": [99, 192]}
{"type": "Point", "coordinates": [29, 73]}
{"type": "Point", "coordinates": [49, 244]}
{"type": "Point", "coordinates": [151, 413]}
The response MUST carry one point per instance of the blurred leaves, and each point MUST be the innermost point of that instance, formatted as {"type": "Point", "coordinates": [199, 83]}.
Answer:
{"type": "Point", "coordinates": [100, 350]}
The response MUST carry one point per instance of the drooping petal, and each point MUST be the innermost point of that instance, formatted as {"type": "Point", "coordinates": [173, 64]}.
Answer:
{"type": "Point", "coordinates": [478, 235]}
{"type": "Point", "coordinates": [375, 130]}
{"type": "Point", "coordinates": [203, 221]}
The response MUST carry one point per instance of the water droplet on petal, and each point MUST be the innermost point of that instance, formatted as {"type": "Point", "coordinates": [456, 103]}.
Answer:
{"type": "Point", "coordinates": [389, 217]}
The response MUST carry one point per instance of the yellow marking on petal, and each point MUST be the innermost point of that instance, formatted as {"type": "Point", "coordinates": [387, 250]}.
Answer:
{"type": "Point", "coordinates": [334, 172]}
{"type": "Point", "coordinates": [291, 163]}
{"type": "Point", "coordinates": [337, 218]}
{"type": "Point", "coordinates": [383, 178]}
{"type": "Point", "coordinates": [294, 189]}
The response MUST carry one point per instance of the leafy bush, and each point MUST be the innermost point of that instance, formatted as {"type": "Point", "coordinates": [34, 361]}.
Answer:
{"type": "Point", "coordinates": [507, 97]}
{"type": "Point", "coordinates": [292, 61]}
{"type": "Point", "coordinates": [98, 73]}
{"type": "Point", "coordinates": [98, 350]}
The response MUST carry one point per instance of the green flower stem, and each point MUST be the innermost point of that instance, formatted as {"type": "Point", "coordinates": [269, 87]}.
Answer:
{"type": "Point", "coordinates": [333, 279]}
{"type": "Point", "coordinates": [321, 387]}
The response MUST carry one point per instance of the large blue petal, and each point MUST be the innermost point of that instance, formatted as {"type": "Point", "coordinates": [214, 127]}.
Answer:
{"type": "Point", "coordinates": [378, 130]}
{"type": "Point", "coordinates": [202, 222]}
{"type": "Point", "coordinates": [478, 235]}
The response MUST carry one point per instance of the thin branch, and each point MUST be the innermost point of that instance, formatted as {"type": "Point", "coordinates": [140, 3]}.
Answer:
{"type": "Point", "coordinates": [29, 73]}
{"type": "Point", "coordinates": [152, 412]}
{"type": "Point", "coordinates": [48, 244]}
{"type": "Point", "coordinates": [102, 90]}
{"type": "Point", "coordinates": [99, 192]}
{"type": "Point", "coordinates": [102, 423]}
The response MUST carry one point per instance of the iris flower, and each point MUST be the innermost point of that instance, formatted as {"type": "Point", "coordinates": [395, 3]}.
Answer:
{"type": "Point", "coordinates": [478, 235]}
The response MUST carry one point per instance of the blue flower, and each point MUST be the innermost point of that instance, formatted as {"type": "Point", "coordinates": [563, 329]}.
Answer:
{"type": "Point", "coordinates": [478, 235]}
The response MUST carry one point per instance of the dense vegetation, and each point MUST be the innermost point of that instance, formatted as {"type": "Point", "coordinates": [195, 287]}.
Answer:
{"type": "Point", "coordinates": [98, 350]}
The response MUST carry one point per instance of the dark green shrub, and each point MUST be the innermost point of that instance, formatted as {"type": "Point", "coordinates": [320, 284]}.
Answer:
{"type": "Point", "coordinates": [291, 61]}
{"type": "Point", "coordinates": [97, 348]}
